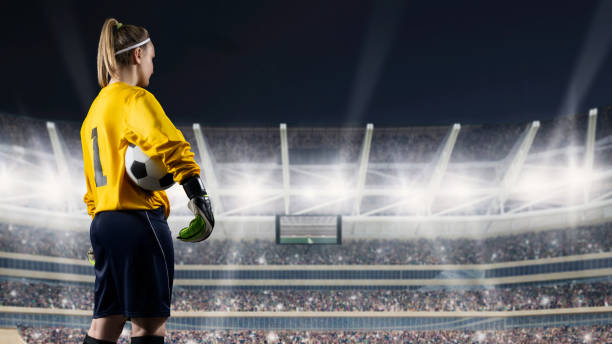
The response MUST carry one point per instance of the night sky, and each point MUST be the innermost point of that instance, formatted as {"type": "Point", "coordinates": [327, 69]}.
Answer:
{"type": "Point", "coordinates": [310, 63]}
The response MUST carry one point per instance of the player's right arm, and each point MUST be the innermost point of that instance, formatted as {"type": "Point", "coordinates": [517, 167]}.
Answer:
{"type": "Point", "coordinates": [90, 202]}
{"type": "Point", "coordinates": [88, 198]}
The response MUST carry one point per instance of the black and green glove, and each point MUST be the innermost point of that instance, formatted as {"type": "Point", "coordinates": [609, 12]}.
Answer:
{"type": "Point", "coordinates": [201, 227]}
{"type": "Point", "coordinates": [90, 256]}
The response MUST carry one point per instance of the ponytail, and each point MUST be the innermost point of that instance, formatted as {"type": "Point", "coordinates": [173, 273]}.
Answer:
{"type": "Point", "coordinates": [114, 37]}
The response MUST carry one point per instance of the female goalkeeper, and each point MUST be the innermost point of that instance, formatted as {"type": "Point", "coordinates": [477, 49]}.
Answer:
{"type": "Point", "coordinates": [131, 240]}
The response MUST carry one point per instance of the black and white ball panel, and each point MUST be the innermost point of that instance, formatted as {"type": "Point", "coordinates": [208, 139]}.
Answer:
{"type": "Point", "coordinates": [149, 174]}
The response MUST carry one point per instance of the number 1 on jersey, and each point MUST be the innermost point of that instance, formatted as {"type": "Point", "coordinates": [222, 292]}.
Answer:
{"type": "Point", "coordinates": [99, 175]}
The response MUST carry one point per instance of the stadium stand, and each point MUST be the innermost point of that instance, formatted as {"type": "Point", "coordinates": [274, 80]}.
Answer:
{"type": "Point", "coordinates": [546, 296]}
{"type": "Point", "coordinates": [579, 334]}
{"type": "Point", "coordinates": [543, 283]}
{"type": "Point", "coordinates": [545, 244]}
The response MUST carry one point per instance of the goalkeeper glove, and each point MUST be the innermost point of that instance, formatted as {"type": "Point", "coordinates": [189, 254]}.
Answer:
{"type": "Point", "coordinates": [90, 256]}
{"type": "Point", "coordinates": [201, 227]}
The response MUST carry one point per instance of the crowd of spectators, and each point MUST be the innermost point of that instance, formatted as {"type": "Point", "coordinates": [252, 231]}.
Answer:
{"type": "Point", "coordinates": [557, 335]}
{"type": "Point", "coordinates": [562, 131]}
{"type": "Point", "coordinates": [517, 247]}
{"type": "Point", "coordinates": [562, 295]}
{"type": "Point", "coordinates": [232, 145]}
{"type": "Point", "coordinates": [487, 142]}
{"type": "Point", "coordinates": [41, 241]}
{"type": "Point", "coordinates": [407, 144]}
{"type": "Point", "coordinates": [534, 245]}
{"type": "Point", "coordinates": [45, 295]}
{"type": "Point", "coordinates": [26, 132]}
{"type": "Point", "coordinates": [499, 140]}
{"type": "Point", "coordinates": [346, 142]}
{"type": "Point", "coordinates": [393, 300]}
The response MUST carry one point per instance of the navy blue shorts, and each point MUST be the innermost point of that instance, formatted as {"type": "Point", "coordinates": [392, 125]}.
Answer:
{"type": "Point", "coordinates": [134, 263]}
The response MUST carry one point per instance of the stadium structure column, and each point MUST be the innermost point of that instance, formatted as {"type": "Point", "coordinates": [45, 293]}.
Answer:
{"type": "Point", "coordinates": [589, 153]}
{"type": "Point", "coordinates": [285, 162]}
{"type": "Point", "coordinates": [363, 168]}
{"type": "Point", "coordinates": [431, 175]}
{"type": "Point", "coordinates": [514, 162]}
{"type": "Point", "coordinates": [439, 168]}
{"type": "Point", "coordinates": [209, 174]}
{"type": "Point", "coordinates": [60, 160]}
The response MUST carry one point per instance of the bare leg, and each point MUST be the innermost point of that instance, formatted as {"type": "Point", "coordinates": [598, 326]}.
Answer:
{"type": "Point", "coordinates": [108, 328]}
{"type": "Point", "coordinates": [148, 327]}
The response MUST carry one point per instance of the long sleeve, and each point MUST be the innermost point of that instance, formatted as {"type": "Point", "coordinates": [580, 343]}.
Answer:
{"type": "Point", "coordinates": [88, 198]}
{"type": "Point", "coordinates": [148, 127]}
{"type": "Point", "coordinates": [91, 204]}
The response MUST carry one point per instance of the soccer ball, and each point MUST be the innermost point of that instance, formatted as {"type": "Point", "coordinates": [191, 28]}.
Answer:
{"type": "Point", "coordinates": [149, 174]}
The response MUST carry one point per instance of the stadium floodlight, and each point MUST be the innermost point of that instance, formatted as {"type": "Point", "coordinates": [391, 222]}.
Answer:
{"type": "Point", "coordinates": [533, 184]}
{"type": "Point", "coordinates": [577, 176]}
{"type": "Point", "coordinates": [338, 188]}
{"type": "Point", "coordinates": [405, 190]}
{"type": "Point", "coordinates": [6, 179]}
{"type": "Point", "coordinates": [54, 190]}
{"type": "Point", "coordinates": [413, 199]}
{"type": "Point", "coordinates": [413, 192]}
{"type": "Point", "coordinates": [251, 191]}
{"type": "Point", "coordinates": [177, 196]}
{"type": "Point", "coordinates": [458, 190]}
{"type": "Point", "coordinates": [308, 193]}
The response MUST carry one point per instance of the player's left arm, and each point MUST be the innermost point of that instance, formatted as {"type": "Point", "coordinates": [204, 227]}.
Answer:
{"type": "Point", "coordinates": [148, 127]}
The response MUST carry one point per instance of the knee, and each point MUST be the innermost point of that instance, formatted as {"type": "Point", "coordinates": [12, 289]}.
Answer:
{"type": "Point", "coordinates": [108, 328]}
{"type": "Point", "coordinates": [148, 327]}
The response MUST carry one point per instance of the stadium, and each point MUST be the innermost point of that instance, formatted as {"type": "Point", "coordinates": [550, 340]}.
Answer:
{"type": "Point", "coordinates": [379, 172]}
{"type": "Point", "coordinates": [397, 234]}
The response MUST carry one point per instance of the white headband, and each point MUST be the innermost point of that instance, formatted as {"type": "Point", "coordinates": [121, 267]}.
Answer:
{"type": "Point", "coordinates": [133, 46]}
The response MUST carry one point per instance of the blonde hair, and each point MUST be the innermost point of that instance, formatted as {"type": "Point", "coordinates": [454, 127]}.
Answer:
{"type": "Point", "coordinates": [114, 37]}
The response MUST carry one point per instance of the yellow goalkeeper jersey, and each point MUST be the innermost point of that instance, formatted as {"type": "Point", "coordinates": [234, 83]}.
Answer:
{"type": "Point", "coordinates": [123, 114]}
